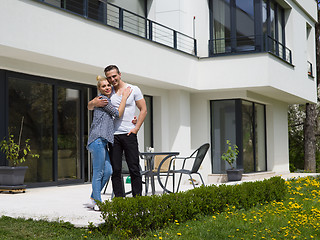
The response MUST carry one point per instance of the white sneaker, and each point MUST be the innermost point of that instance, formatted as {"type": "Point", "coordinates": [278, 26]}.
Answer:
{"type": "Point", "coordinates": [91, 203]}
{"type": "Point", "coordinates": [96, 208]}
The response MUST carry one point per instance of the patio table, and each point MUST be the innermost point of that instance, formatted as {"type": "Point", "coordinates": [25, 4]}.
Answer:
{"type": "Point", "coordinates": [150, 168]}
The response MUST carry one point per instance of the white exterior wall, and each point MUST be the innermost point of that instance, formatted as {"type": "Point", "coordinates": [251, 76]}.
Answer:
{"type": "Point", "coordinates": [42, 40]}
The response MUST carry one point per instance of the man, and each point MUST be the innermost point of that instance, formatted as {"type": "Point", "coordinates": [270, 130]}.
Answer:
{"type": "Point", "coordinates": [125, 138]}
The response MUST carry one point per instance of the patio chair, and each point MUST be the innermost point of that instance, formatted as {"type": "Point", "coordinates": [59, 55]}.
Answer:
{"type": "Point", "coordinates": [155, 171]}
{"type": "Point", "coordinates": [197, 156]}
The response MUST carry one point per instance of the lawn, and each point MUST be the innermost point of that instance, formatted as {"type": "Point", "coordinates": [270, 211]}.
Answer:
{"type": "Point", "coordinates": [297, 217]}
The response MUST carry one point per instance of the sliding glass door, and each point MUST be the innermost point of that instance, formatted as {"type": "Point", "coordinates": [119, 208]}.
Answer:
{"type": "Point", "coordinates": [53, 115]}
{"type": "Point", "coordinates": [242, 123]}
{"type": "Point", "coordinates": [68, 126]}
{"type": "Point", "coordinates": [31, 116]}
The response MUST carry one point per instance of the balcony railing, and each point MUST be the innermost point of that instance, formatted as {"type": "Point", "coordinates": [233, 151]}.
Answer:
{"type": "Point", "coordinates": [117, 17]}
{"type": "Point", "coordinates": [278, 49]}
{"type": "Point", "coordinates": [254, 43]}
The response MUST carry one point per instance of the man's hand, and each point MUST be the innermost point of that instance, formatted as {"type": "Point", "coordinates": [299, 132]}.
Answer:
{"type": "Point", "coordinates": [133, 130]}
{"type": "Point", "coordinates": [97, 102]}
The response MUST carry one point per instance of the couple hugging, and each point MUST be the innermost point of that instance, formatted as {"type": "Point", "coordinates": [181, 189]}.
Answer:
{"type": "Point", "coordinates": [113, 128]}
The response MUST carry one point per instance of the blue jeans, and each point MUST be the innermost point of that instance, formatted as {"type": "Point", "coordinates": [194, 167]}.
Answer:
{"type": "Point", "coordinates": [101, 166]}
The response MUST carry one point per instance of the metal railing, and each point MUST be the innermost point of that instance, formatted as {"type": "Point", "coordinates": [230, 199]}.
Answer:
{"type": "Point", "coordinates": [254, 43]}
{"type": "Point", "coordinates": [278, 49]}
{"type": "Point", "coordinates": [117, 17]}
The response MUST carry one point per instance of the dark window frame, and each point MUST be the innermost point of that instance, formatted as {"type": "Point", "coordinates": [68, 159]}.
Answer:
{"type": "Point", "coordinates": [239, 133]}
{"type": "Point", "coordinates": [263, 41]}
{"type": "Point", "coordinates": [4, 122]}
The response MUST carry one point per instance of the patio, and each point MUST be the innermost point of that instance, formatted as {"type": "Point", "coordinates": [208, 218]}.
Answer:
{"type": "Point", "coordinates": [66, 203]}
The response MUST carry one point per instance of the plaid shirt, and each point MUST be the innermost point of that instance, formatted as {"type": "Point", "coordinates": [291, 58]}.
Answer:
{"type": "Point", "coordinates": [102, 123]}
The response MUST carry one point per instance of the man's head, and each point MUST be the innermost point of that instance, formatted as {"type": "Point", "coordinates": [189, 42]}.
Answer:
{"type": "Point", "coordinates": [113, 75]}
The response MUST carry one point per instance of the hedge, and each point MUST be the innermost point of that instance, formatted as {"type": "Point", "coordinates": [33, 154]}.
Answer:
{"type": "Point", "coordinates": [130, 216]}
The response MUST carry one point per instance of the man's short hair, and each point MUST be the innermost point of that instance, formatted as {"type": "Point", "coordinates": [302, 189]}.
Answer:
{"type": "Point", "coordinates": [111, 67]}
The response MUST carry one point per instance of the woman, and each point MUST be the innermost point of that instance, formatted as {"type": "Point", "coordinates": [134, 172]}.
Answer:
{"type": "Point", "coordinates": [101, 132]}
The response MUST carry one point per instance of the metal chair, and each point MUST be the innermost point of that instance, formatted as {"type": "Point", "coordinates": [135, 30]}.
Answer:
{"type": "Point", "coordinates": [198, 156]}
{"type": "Point", "coordinates": [156, 170]}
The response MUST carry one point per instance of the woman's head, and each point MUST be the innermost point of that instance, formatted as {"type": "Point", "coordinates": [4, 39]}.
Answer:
{"type": "Point", "coordinates": [104, 86]}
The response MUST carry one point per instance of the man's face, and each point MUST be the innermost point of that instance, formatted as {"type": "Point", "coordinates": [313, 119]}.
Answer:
{"type": "Point", "coordinates": [113, 77]}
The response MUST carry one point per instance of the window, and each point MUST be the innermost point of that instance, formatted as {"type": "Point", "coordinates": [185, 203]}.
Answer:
{"type": "Point", "coordinates": [55, 119]}
{"type": "Point", "coordinates": [31, 104]}
{"type": "Point", "coordinates": [243, 123]}
{"type": "Point", "coordinates": [233, 26]}
{"type": "Point", "coordinates": [238, 26]}
{"type": "Point", "coordinates": [148, 123]}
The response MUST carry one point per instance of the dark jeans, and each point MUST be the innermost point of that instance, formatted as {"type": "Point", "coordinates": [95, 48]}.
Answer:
{"type": "Point", "coordinates": [128, 145]}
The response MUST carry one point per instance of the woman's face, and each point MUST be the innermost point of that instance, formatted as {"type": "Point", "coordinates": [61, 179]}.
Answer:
{"type": "Point", "coordinates": [105, 88]}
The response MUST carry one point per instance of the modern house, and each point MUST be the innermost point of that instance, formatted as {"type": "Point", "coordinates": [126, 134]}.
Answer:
{"type": "Point", "coordinates": [210, 70]}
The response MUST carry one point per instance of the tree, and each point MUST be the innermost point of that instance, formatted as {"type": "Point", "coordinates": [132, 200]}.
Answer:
{"type": "Point", "coordinates": [310, 124]}
{"type": "Point", "coordinates": [303, 125]}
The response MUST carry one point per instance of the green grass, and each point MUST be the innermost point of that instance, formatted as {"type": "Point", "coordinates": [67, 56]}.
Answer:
{"type": "Point", "coordinates": [11, 228]}
{"type": "Point", "coordinates": [298, 217]}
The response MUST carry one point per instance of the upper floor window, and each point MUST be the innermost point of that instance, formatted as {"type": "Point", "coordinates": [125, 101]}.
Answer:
{"type": "Point", "coordinates": [232, 26]}
{"type": "Point", "coordinates": [241, 26]}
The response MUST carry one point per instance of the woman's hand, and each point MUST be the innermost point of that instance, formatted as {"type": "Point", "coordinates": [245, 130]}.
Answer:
{"type": "Point", "coordinates": [134, 121]}
{"type": "Point", "coordinates": [126, 93]}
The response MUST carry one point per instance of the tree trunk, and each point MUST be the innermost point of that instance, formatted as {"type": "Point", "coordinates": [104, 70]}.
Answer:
{"type": "Point", "coordinates": [310, 138]}
{"type": "Point", "coordinates": [310, 125]}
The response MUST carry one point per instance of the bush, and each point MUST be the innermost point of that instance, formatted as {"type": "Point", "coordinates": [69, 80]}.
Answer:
{"type": "Point", "coordinates": [129, 217]}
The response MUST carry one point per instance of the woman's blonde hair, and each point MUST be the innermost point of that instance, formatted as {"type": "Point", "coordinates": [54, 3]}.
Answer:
{"type": "Point", "coordinates": [100, 79]}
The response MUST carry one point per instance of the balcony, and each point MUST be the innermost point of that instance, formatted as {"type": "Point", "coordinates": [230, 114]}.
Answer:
{"type": "Point", "coordinates": [247, 44]}
{"type": "Point", "coordinates": [124, 20]}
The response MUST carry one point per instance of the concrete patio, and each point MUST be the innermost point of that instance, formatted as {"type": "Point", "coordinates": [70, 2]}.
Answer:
{"type": "Point", "coordinates": [66, 203]}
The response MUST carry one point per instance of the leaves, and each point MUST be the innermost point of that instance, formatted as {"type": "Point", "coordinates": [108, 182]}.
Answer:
{"type": "Point", "coordinates": [230, 155]}
{"type": "Point", "coordinates": [14, 153]}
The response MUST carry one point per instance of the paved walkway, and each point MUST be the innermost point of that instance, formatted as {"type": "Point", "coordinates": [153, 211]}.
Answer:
{"type": "Point", "coordinates": [61, 203]}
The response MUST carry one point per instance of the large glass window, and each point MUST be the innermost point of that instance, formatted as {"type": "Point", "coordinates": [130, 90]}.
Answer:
{"type": "Point", "coordinates": [31, 105]}
{"type": "Point", "coordinates": [247, 137]}
{"type": "Point", "coordinates": [221, 26]}
{"type": "Point", "coordinates": [245, 25]}
{"type": "Point", "coordinates": [223, 128]}
{"type": "Point", "coordinates": [233, 26]}
{"type": "Point", "coordinates": [242, 123]}
{"type": "Point", "coordinates": [68, 134]}
{"type": "Point", "coordinates": [54, 116]}
{"type": "Point", "coordinates": [250, 25]}
{"type": "Point", "coordinates": [260, 137]}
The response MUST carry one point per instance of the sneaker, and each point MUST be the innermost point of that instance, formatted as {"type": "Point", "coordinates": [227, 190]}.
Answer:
{"type": "Point", "coordinates": [96, 208]}
{"type": "Point", "coordinates": [90, 204]}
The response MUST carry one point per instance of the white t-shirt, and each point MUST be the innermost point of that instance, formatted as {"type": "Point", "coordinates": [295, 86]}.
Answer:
{"type": "Point", "coordinates": [124, 124]}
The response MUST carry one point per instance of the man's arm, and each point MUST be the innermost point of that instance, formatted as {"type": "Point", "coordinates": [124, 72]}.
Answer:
{"type": "Point", "coordinates": [97, 102]}
{"type": "Point", "coordinates": [141, 104]}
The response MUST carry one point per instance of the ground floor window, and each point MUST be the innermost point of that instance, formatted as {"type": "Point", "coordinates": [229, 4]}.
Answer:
{"type": "Point", "coordinates": [243, 123]}
{"type": "Point", "coordinates": [54, 117]}
{"type": "Point", "coordinates": [148, 124]}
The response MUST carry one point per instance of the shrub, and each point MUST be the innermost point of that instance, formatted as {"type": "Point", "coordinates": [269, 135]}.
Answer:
{"type": "Point", "coordinates": [133, 216]}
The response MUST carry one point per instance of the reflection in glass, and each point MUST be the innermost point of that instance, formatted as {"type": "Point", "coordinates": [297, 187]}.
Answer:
{"type": "Point", "coordinates": [148, 132]}
{"type": "Point", "coordinates": [245, 25]}
{"type": "Point", "coordinates": [249, 121]}
{"type": "Point", "coordinates": [247, 137]}
{"type": "Point", "coordinates": [221, 26]}
{"type": "Point", "coordinates": [260, 138]}
{"type": "Point", "coordinates": [33, 101]}
{"type": "Point", "coordinates": [223, 129]}
{"type": "Point", "coordinates": [68, 134]}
